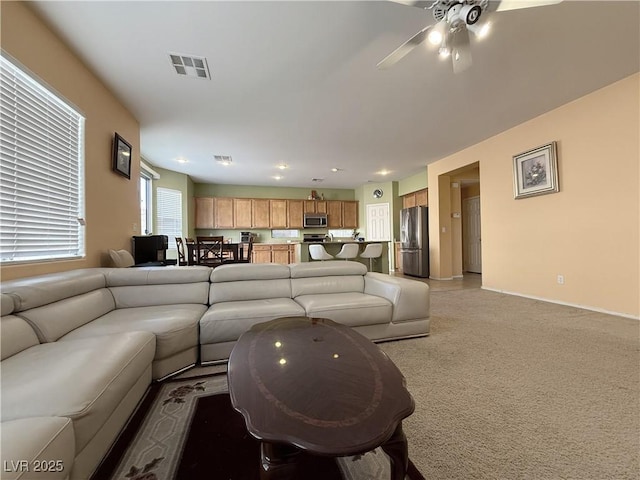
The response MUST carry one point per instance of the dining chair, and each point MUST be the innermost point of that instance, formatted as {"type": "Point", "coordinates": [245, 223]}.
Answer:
{"type": "Point", "coordinates": [182, 257]}
{"type": "Point", "coordinates": [210, 250]}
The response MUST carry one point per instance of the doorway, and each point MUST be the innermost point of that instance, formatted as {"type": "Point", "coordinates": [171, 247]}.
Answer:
{"type": "Point", "coordinates": [471, 238]}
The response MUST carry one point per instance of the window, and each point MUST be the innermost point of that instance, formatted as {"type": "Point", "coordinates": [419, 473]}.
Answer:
{"type": "Point", "coordinates": [145, 204]}
{"type": "Point", "coordinates": [41, 171]}
{"type": "Point", "coordinates": [169, 218]}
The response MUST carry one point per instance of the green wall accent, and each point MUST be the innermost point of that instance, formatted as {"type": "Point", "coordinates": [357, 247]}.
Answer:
{"type": "Point", "coordinates": [413, 183]}
{"type": "Point", "coordinates": [249, 191]}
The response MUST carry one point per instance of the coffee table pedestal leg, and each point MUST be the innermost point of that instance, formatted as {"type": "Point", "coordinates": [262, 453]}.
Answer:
{"type": "Point", "coordinates": [278, 461]}
{"type": "Point", "coordinates": [396, 448]}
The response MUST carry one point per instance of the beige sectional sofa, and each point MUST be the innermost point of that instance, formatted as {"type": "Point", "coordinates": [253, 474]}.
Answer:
{"type": "Point", "coordinates": [80, 348]}
{"type": "Point", "coordinates": [379, 306]}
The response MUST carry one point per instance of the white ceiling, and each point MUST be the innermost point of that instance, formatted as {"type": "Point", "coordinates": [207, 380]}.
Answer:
{"type": "Point", "coordinates": [296, 82]}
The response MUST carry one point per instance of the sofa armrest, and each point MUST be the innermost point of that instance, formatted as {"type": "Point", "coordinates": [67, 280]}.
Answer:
{"type": "Point", "coordinates": [410, 298]}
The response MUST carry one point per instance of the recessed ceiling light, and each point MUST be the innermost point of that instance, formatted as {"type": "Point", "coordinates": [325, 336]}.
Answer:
{"type": "Point", "coordinates": [223, 159]}
{"type": "Point", "coordinates": [182, 160]}
{"type": "Point", "coordinates": [383, 172]}
{"type": "Point", "coordinates": [283, 166]}
{"type": "Point", "coordinates": [278, 177]}
{"type": "Point", "coordinates": [335, 169]}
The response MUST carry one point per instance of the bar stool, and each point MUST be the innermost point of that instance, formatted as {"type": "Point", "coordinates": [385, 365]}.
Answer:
{"type": "Point", "coordinates": [373, 250]}
{"type": "Point", "coordinates": [318, 252]}
{"type": "Point", "coordinates": [348, 251]}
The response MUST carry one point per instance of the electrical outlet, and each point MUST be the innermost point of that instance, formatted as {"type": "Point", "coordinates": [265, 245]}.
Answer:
{"type": "Point", "coordinates": [560, 279]}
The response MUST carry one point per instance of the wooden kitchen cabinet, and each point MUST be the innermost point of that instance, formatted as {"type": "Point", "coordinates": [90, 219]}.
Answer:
{"type": "Point", "coordinates": [350, 214]}
{"type": "Point", "coordinates": [280, 254]}
{"type": "Point", "coordinates": [204, 212]}
{"type": "Point", "coordinates": [416, 199]}
{"type": "Point", "coordinates": [397, 258]}
{"type": "Point", "coordinates": [295, 213]}
{"type": "Point", "coordinates": [334, 214]}
{"type": "Point", "coordinates": [309, 206]}
{"type": "Point", "coordinates": [242, 213]}
{"type": "Point", "coordinates": [278, 213]}
{"type": "Point", "coordinates": [223, 212]}
{"type": "Point", "coordinates": [260, 213]}
{"type": "Point", "coordinates": [261, 253]}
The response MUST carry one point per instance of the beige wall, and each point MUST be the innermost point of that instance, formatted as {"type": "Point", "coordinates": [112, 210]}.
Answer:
{"type": "Point", "coordinates": [587, 232]}
{"type": "Point", "coordinates": [111, 204]}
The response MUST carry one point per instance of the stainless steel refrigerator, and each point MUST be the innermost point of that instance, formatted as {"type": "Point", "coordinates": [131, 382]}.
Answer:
{"type": "Point", "coordinates": [414, 241]}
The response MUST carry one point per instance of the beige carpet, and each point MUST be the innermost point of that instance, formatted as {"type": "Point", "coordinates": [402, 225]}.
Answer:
{"type": "Point", "coordinates": [512, 388]}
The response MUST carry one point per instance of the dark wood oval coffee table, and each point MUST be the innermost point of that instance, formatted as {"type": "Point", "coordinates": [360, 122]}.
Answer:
{"type": "Point", "coordinates": [314, 385]}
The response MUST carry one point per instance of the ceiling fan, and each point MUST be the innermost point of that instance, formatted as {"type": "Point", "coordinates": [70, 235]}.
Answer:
{"type": "Point", "coordinates": [454, 20]}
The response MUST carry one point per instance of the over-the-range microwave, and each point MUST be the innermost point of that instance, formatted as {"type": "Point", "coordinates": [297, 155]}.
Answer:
{"type": "Point", "coordinates": [315, 220]}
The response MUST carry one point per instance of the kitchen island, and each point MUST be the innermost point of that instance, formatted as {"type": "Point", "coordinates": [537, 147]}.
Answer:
{"type": "Point", "coordinates": [380, 264]}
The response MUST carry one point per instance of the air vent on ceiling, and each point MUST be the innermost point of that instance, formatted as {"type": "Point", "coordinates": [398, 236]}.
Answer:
{"type": "Point", "coordinates": [223, 159]}
{"type": "Point", "coordinates": [318, 180]}
{"type": "Point", "coordinates": [189, 65]}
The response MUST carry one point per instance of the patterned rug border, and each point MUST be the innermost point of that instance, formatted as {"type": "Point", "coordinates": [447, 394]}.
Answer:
{"type": "Point", "coordinates": [111, 464]}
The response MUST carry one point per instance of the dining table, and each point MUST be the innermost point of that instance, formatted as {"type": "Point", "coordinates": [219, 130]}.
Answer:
{"type": "Point", "coordinates": [232, 252]}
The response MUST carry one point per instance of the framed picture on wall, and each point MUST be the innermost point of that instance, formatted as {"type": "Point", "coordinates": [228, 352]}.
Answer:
{"type": "Point", "coordinates": [121, 156]}
{"type": "Point", "coordinates": [535, 172]}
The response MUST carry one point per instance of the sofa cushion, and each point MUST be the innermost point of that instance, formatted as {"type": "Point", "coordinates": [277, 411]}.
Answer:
{"type": "Point", "coordinates": [226, 321]}
{"type": "Point", "coordinates": [249, 290]}
{"type": "Point", "coordinates": [352, 309]}
{"type": "Point", "coordinates": [34, 292]}
{"type": "Point", "coordinates": [84, 380]}
{"type": "Point", "coordinates": [249, 271]}
{"type": "Point", "coordinates": [175, 326]}
{"type": "Point", "coordinates": [326, 269]}
{"type": "Point", "coordinates": [167, 294]}
{"type": "Point", "coordinates": [329, 284]}
{"type": "Point", "coordinates": [28, 444]}
{"type": "Point", "coordinates": [17, 335]}
{"type": "Point", "coordinates": [6, 304]}
{"type": "Point", "coordinates": [56, 319]}
{"type": "Point", "coordinates": [116, 277]}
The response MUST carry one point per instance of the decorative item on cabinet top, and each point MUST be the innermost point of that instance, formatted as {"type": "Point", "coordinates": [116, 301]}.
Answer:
{"type": "Point", "coordinates": [266, 213]}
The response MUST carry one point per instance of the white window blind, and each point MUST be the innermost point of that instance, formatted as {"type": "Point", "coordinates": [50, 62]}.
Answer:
{"type": "Point", "coordinates": [169, 216]}
{"type": "Point", "coordinates": [41, 171]}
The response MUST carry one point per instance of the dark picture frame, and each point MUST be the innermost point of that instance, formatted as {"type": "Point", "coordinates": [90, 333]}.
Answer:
{"type": "Point", "coordinates": [535, 172]}
{"type": "Point", "coordinates": [121, 157]}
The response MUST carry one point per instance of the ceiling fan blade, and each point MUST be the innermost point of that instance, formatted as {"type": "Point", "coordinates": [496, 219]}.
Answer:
{"type": "Point", "coordinates": [460, 50]}
{"type": "Point", "coordinates": [403, 49]}
{"type": "Point", "coordinates": [416, 3]}
{"type": "Point", "coordinates": [517, 4]}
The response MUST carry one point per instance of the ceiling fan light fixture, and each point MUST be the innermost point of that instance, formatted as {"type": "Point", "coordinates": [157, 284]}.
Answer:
{"type": "Point", "coordinates": [436, 34]}
{"type": "Point", "coordinates": [480, 30]}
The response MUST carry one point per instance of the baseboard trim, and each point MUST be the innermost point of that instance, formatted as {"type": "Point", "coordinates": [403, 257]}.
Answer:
{"type": "Point", "coordinates": [566, 304]}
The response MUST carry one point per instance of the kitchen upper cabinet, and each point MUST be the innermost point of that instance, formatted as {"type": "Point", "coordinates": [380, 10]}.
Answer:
{"type": "Point", "coordinates": [309, 206]}
{"type": "Point", "coordinates": [295, 213]}
{"type": "Point", "coordinates": [321, 206]}
{"type": "Point", "coordinates": [422, 197]}
{"type": "Point", "coordinates": [278, 211]}
{"type": "Point", "coordinates": [350, 214]}
{"type": "Point", "coordinates": [415, 199]}
{"type": "Point", "coordinates": [260, 213]}
{"type": "Point", "coordinates": [223, 212]}
{"type": "Point", "coordinates": [204, 212]}
{"type": "Point", "coordinates": [242, 213]}
{"type": "Point", "coordinates": [334, 214]}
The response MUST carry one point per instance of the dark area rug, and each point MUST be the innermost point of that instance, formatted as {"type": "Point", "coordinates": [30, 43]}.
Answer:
{"type": "Point", "coordinates": [188, 430]}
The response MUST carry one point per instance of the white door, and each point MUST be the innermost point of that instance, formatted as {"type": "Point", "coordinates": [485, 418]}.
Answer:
{"type": "Point", "coordinates": [472, 238]}
{"type": "Point", "coordinates": [378, 222]}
